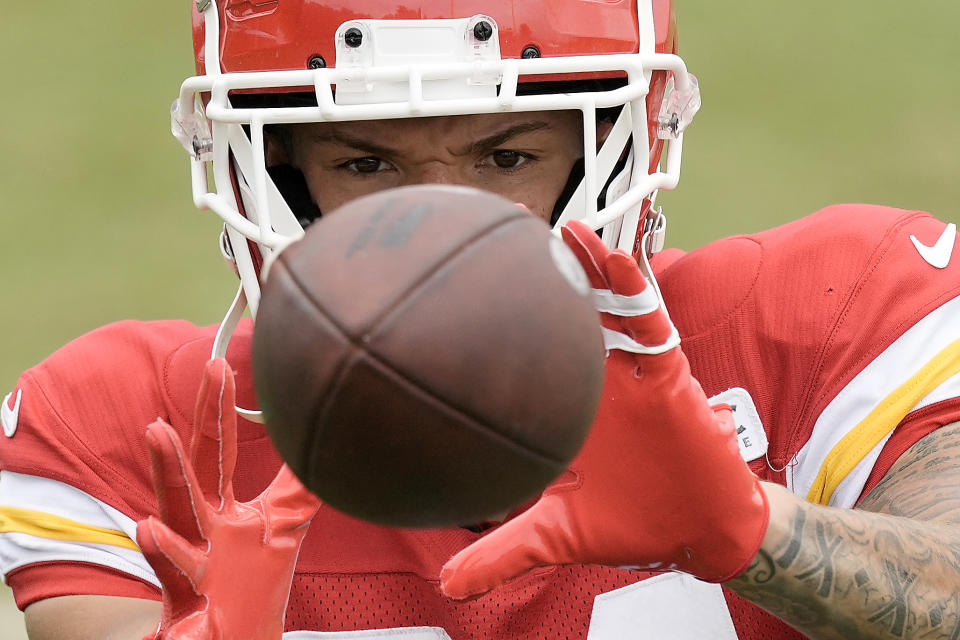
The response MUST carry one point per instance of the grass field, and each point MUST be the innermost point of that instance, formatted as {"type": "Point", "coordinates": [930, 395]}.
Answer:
{"type": "Point", "coordinates": [804, 104]}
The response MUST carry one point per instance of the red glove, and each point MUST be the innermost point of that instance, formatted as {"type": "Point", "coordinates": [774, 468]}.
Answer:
{"type": "Point", "coordinates": [225, 566]}
{"type": "Point", "coordinates": [659, 484]}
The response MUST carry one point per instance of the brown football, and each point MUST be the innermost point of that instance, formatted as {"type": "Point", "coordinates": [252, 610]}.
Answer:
{"type": "Point", "coordinates": [427, 356]}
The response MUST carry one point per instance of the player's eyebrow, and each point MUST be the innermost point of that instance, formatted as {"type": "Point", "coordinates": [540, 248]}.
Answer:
{"type": "Point", "coordinates": [376, 149]}
{"type": "Point", "coordinates": [498, 138]}
{"type": "Point", "coordinates": [356, 142]}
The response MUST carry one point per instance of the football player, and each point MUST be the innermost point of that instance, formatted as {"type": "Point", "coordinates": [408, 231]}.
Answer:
{"type": "Point", "coordinates": [775, 458]}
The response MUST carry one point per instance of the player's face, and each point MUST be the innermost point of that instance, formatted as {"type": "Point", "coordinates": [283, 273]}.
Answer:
{"type": "Point", "coordinates": [525, 157]}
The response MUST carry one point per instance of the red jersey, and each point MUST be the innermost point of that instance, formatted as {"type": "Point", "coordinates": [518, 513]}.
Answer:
{"type": "Point", "coordinates": [807, 329]}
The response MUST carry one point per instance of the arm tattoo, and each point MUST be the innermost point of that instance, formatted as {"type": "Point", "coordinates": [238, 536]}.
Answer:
{"type": "Point", "coordinates": [888, 569]}
{"type": "Point", "coordinates": [895, 611]}
{"type": "Point", "coordinates": [824, 565]}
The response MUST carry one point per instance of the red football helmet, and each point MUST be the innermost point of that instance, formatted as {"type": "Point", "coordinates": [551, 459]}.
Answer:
{"type": "Point", "coordinates": [375, 59]}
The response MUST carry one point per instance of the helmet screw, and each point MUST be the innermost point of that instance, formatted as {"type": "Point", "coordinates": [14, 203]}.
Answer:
{"type": "Point", "coordinates": [530, 51]}
{"type": "Point", "coordinates": [317, 62]}
{"type": "Point", "coordinates": [201, 147]}
{"type": "Point", "coordinates": [482, 31]}
{"type": "Point", "coordinates": [353, 37]}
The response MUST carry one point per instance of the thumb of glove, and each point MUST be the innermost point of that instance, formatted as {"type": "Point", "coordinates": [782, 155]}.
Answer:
{"type": "Point", "coordinates": [536, 538]}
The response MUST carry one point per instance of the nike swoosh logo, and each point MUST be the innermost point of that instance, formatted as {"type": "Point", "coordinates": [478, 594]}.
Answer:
{"type": "Point", "coordinates": [938, 254]}
{"type": "Point", "coordinates": [8, 416]}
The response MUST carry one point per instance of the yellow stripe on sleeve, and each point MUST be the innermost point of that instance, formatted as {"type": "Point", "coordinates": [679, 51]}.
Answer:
{"type": "Point", "coordinates": [854, 446]}
{"type": "Point", "coordinates": [45, 525]}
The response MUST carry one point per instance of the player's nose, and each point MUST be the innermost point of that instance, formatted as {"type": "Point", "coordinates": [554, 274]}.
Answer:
{"type": "Point", "coordinates": [438, 173]}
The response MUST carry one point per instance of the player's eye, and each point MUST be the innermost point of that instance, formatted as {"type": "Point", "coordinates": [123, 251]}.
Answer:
{"type": "Point", "coordinates": [369, 164]}
{"type": "Point", "coordinates": [508, 159]}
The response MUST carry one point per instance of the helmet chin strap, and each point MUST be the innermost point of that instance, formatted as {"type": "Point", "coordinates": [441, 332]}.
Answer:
{"type": "Point", "coordinates": [650, 243]}
{"type": "Point", "coordinates": [282, 220]}
{"type": "Point", "coordinates": [222, 340]}
{"type": "Point", "coordinates": [654, 230]}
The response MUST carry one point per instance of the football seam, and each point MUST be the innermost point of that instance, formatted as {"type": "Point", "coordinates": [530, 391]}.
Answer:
{"type": "Point", "coordinates": [452, 256]}
{"type": "Point", "coordinates": [280, 267]}
{"type": "Point", "coordinates": [357, 343]}
{"type": "Point", "coordinates": [413, 387]}
{"type": "Point", "coordinates": [462, 253]}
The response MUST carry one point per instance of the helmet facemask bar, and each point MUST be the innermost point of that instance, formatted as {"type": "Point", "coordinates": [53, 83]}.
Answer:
{"type": "Point", "coordinates": [266, 220]}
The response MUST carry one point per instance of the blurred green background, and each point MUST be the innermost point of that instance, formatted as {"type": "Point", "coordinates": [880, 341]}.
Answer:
{"type": "Point", "coordinates": [804, 105]}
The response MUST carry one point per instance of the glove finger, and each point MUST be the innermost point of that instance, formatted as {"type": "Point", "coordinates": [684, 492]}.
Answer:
{"type": "Point", "coordinates": [528, 541]}
{"type": "Point", "coordinates": [623, 274]}
{"type": "Point", "coordinates": [196, 626]}
{"type": "Point", "coordinates": [180, 504]}
{"type": "Point", "coordinates": [158, 544]}
{"type": "Point", "coordinates": [592, 253]}
{"type": "Point", "coordinates": [290, 505]}
{"type": "Point", "coordinates": [589, 250]}
{"type": "Point", "coordinates": [214, 448]}
{"type": "Point", "coordinates": [626, 279]}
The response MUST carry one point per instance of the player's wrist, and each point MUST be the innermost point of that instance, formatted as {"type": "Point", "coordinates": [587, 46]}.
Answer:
{"type": "Point", "coordinates": [783, 508]}
{"type": "Point", "coordinates": [732, 535]}
{"type": "Point", "coordinates": [778, 527]}
{"type": "Point", "coordinates": [753, 525]}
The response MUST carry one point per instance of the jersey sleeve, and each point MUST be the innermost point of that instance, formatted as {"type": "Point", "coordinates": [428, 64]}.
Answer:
{"type": "Point", "coordinates": [842, 328]}
{"type": "Point", "coordinates": [57, 540]}
{"type": "Point", "coordinates": [889, 371]}
{"type": "Point", "coordinates": [74, 469]}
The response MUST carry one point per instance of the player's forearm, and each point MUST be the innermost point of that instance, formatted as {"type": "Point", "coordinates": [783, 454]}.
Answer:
{"type": "Point", "coordinates": [89, 617]}
{"type": "Point", "coordinates": [839, 573]}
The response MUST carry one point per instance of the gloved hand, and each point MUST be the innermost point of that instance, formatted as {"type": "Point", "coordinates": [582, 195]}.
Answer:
{"type": "Point", "coordinates": [659, 484]}
{"type": "Point", "coordinates": [225, 566]}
